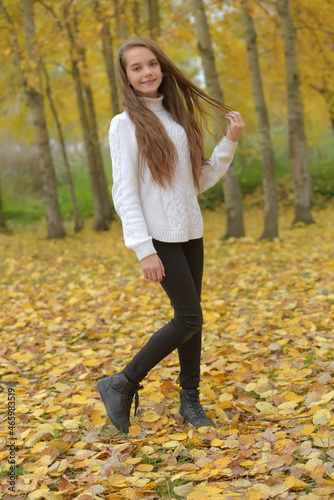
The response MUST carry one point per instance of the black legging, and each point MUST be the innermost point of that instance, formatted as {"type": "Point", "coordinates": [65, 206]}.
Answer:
{"type": "Point", "coordinates": [183, 263]}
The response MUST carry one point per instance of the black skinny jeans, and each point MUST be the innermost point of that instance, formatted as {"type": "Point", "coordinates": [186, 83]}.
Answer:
{"type": "Point", "coordinates": [183, 263]}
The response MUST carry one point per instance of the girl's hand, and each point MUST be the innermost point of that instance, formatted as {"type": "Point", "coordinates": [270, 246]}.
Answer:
{"type": "Point", "coordinates": [152, 268]}
{"type": "Point", "coordinates": [236, 125]}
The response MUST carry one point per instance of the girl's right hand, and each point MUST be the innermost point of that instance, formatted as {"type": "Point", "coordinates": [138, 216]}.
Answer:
{"type": "Point", "coordinates": [152, 268]}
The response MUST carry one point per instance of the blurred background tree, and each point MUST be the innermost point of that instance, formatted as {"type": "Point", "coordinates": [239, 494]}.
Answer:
{"type": "Point", "coordinates": [75, 45]}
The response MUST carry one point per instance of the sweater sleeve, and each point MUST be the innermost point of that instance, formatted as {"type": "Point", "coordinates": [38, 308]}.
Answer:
{"type": "Point", "coordinates": [124, 157]}
{"type": "Point", "coordinates": [218, 164]}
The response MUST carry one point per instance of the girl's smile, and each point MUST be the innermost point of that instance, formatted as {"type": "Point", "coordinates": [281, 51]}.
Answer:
{"type": "Point", "coordinates": [143, 71]}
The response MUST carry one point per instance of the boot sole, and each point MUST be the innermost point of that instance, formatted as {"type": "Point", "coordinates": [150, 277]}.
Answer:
{"type": "Point", "coordinates": [104, 396]}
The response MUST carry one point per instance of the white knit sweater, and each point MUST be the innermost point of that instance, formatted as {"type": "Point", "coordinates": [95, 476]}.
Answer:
{"type": "Point", "coordinates": [146, 209]}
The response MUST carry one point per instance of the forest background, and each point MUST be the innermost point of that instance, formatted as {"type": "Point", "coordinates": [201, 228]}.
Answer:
{"type": "Point", "coordinates": [63, 52]}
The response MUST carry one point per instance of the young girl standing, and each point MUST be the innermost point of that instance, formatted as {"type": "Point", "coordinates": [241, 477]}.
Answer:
{"type": "Point", "coordinates": [159, 168]}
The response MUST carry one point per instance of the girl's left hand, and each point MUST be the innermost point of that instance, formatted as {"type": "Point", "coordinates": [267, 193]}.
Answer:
{"type": "Point", "coordinates": [236, 125]}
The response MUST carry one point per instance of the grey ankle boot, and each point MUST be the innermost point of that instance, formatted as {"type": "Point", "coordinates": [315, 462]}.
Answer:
{"type": "Point", "coordinates": [191, 409]}
{"type": "Point", "coordinates": [117, 393]}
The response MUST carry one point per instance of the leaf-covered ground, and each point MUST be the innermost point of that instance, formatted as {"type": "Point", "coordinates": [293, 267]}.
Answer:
{"type": "Point", "coordinates": [74, 311]}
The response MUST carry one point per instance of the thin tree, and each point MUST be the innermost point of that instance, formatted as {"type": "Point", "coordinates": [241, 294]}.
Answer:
{"type": "Point", "coordinates": [268, 161]}
{"type": "Point", "coordinates": [153, 18]}
{"type": "Point", "coordinates": [93, 132]}
{"type": "Point", "coordinates": [232, 194]}
{"type": "Point", "coordinates": [136, 15]}
{"type": "Point", "coordinates": [35, 102]}
{"type": "Point", "coordinates": [122, 29]}
{"type": "Point", "coordinates": [101, 219]}
{"type": "Point", "coordinates": [108, 54]}
{"type": "Point", "coordinates": [298, 148]}
{"type": "Point", "coordinates": [78, 223]}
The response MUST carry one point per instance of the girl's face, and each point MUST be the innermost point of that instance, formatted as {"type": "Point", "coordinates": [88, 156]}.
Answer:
{"type": "Point", "coordinates": [143, 71]}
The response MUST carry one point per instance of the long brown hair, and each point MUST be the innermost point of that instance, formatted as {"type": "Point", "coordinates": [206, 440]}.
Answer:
{"type": "Point", "coordinates": [181, 99]}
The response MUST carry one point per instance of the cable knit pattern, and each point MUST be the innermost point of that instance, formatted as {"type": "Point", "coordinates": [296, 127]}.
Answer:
{"type": "Point", "coordinates": [147, 210]}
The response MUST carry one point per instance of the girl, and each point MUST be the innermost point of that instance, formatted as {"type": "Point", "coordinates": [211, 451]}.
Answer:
{"type": "Point", "coordinates": [159, 169]}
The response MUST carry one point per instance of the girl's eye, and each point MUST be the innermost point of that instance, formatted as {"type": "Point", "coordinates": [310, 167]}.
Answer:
{"type": "Point", "coordinates": [135, 69]}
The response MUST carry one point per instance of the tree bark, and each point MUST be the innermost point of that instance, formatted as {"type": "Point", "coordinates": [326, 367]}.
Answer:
{"type": "Point", "coordinates": [298, 149]}
{"type": "Point", "coordinates": [101, 219]}
{"type": "Point", "coordinates": [94, 139]}
{"type": "Point", "coordinates": [268, 161]}
{"type": "Point", "coordinates": [122, 29]}
{"type": "Point", "coordinates": [78, 224]}
{"type": "Point", "coordinates": [36, 105]}
{"type": "Point", "coordinates": [136, 17]}
{"type": "Point", "coordinates": [154, 18]}
{"type": "Point", "coordinates": [108, 54]}
{"type": "Point", "coordinates": [232, 194]}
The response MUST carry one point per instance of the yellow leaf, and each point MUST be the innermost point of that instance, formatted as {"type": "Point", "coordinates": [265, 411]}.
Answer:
{"type": "Point", "coordinates": [196, 453]}
{"type": "Point", "coordinates": [134, 461]}
{"type": "Point", "coordinates": [134, 431]}
{"type": "Point", "coordinates": [288, 407]}
{"type": "Point", "coordinates": [292, 396]}
{"type": "Point", "coordinates": [308, 430]}
{"type": "Point", "coordinates": [247, 463]}
{"type": "Point", "coordinates": [150, 416]}
{"type": "Point", "coordinates": [208, 393]}
{"type": "Point", "coordinates": [78, 400]}
{"type": "Point", "coordinates": [295, 484]}
{"type": "Point", "coordinates": [182, 436]}
{"type": "Point", "coordinates": [266, 408]}
{"type": "Point", "coordinates": [221, 463]}
{"type": "Point", "coordinates": [321, 417]}
{"type": "Point", "coordinates": [217, 442]}
{"type": "Point", "coordinates": [144, 468]}
{"type": "Point", "coordinates": [171, 444]}
{"type": "Point", "coordinates": [225, 397]}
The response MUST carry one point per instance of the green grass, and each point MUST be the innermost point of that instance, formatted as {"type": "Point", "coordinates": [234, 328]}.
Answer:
{"type": "Point", "coordinates": [23, 203]}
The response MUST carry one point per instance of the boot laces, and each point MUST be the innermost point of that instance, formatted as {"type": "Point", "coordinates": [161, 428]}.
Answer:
{"type": "Point", "coordinates": [194, 404]}
{"type": "Point", "coordinates": [127, 399]}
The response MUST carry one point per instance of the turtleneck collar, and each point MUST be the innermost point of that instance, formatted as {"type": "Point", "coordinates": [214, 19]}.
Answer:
{"type": "Point", "coordinates": [154, 103]}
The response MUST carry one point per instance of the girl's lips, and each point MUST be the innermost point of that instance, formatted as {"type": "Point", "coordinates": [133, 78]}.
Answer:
{"type": "Point", "coordinates": [148, 82]}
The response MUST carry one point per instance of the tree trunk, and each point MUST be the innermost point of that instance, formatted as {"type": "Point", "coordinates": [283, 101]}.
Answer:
{"type": "Point", "coordinates": [94, 139]}
{"type": "Point", "coordinates": [78, 224]}
{"type": "Point", "coordinates": [2, 216]}
{"type": "Point", "coordinates": [298, 150]}
{"type": "Point", "coordinates": [101, 222]}
{"type": "Point", "coordinates": [108, 53]}
{"type": "Point", "coordinates": [269, 183]}
{"type": "Point", "coordinates": [136, 17]}
{"type": "Point", "coordinates": [36, 105]}
{"type": "Point", "coordinates": [232, 194]}
{"type": "Point", "coordinates": [122, 29]}
{"type": "Point", "coordinates": [154, 19]}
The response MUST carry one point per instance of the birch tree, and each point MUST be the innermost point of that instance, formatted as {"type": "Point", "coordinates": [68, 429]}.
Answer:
{"type": "Point", "coordinates": [101, 220]}
{"type": "Point", "coordinates": [298, 148]}
{"type": "Point", "coordinates": [232, 194]}
{"type": "Point", "coordinates": [268, 161]}
{"type": "Point", "coordinates": [29, 70]}
{"type": "Point", "coordinates": [122, 28]}
{"type": "Point", "coordinates": [153, 18]}
{"type": "Point", "coordinates": [78, 223]}
{"type": "Point", "coordinates": [108, 54]}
